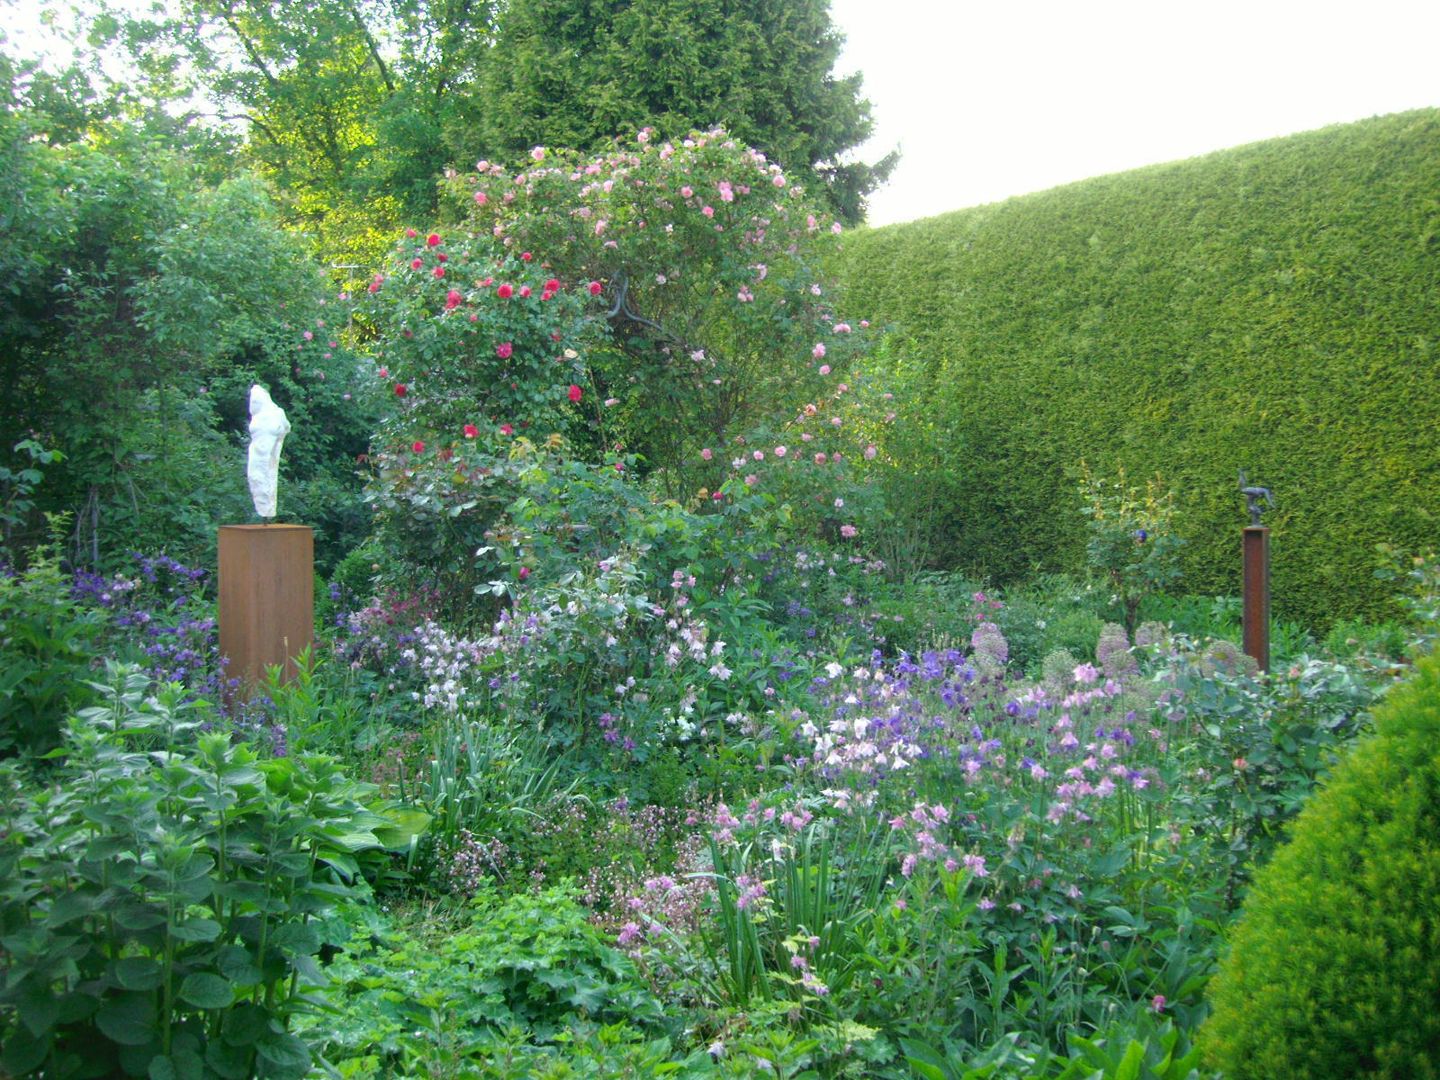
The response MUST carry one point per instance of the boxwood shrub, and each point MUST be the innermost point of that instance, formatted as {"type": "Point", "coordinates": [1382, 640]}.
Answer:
{"type": "Point", "coordinates": [1331, 970]}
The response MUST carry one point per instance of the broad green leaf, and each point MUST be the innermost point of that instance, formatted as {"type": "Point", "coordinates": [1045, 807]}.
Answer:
{"type": "Point", "coordinates": [237, 965]}
{"type": "Point", "coordinates": [195, 930]}
{"type": "Point", "coordinates": [128, 1019]}
{"type": "Point", "coordinates": [287, 1056]}
{"type": "Point", "coordinates": [244, 1025]}
{"type": "Point", "coordinates": [138, 973]}
{"type": "Point", "coordinates": [23, 1052]}
{"type": "Point", "coordinates": [206, 991]}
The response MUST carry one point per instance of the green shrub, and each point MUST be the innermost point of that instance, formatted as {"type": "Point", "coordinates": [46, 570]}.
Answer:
{"type": "Point", "coordinates": [1332, 967]}
{"type": "Point", "coordinates": [1265, 308]}
{"type": "Point", "coordinates": [49, 642]}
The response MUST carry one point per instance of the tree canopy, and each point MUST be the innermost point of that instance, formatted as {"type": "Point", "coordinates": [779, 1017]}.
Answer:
{"type": "Point", "coordinates": [354, 108]}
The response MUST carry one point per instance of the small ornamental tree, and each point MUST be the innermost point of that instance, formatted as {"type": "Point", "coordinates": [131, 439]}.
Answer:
{"type": "Point", "coordinates": [1132, 542]}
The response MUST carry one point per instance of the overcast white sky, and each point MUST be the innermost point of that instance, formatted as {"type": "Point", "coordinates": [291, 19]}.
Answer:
{"type": "Point", "coordinates": [994, 99]}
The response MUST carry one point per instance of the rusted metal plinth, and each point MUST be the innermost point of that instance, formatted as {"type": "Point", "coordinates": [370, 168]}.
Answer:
{"type": "Point", "coordinates": [267, 598]}
{"type": "Point", "coordinates": [1257, 594]}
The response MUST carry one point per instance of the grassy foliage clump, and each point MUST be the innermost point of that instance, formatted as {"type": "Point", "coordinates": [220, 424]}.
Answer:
{"type": "Point", "coordinates": [1331, 971]}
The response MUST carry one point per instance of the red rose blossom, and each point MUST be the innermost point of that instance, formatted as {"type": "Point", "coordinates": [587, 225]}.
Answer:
{"type": "Point", "coordinates": [471, 431]}
{"type": "Point", "coordinates": [504, 349]}
{"type": "Point", "coordinates": [433, 239]}
{"type": "Point", "coordinates": [401, 389]}
{"type": "Point", "coordinates": [418, 446]}
{"type": "Point", "coordinates": [576, 393]}
{"type": "Point", "coordinates": [504, 291]}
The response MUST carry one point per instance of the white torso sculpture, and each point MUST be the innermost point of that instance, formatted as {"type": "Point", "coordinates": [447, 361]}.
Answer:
{"type": "Point", "coordinates": [268, 428]}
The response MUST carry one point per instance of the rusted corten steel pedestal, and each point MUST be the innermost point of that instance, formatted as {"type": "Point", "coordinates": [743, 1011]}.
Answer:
{"type": "Point", "coordinates": [267, 599]}
{"type": "Point", "coordinates": [1257, 594]}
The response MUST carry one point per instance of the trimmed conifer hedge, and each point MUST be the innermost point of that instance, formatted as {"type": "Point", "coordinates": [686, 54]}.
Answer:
{"type": "Point", "coordinates": [1274, 307]}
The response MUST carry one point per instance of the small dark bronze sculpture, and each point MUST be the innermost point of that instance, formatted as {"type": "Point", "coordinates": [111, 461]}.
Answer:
{"type": "Point", "coordinates": [1253, 495]}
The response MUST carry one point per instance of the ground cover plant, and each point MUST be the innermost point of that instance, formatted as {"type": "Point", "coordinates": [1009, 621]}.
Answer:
{"type": "Point", "coordinates": [626, 748]}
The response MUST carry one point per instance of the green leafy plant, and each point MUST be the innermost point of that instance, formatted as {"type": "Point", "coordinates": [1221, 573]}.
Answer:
{"type": "Point", "coordinates": [164, 904]}
{"type": "Point", "coordinates": [18, 485]}
{"type": "Point", "coordinates": [50, 643]}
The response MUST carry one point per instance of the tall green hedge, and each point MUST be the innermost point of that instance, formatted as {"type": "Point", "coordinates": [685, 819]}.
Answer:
{"type": "Point", "coordinates": [1274, 308]}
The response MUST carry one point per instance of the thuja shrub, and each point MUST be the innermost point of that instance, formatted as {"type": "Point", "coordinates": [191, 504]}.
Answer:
{"type": "Point", "coordinates": [1331, 971]}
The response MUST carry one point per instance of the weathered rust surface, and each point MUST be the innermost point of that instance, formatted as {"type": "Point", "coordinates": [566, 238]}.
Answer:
{"type": "Point", "coordinates": [267, 598]}
{"type": "Point", "coordinates": [1257, 595]}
